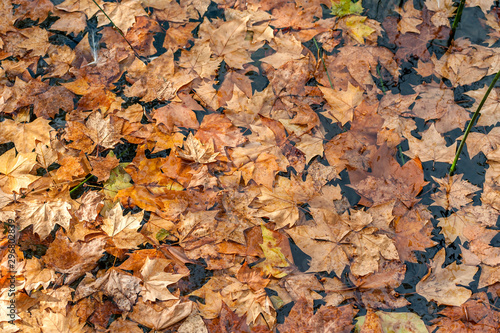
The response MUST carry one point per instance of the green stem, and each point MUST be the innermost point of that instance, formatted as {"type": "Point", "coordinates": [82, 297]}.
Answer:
{"type": "Point", "coordinates": [327, 74]}
{"type": "Point", "coordinates": [381, 81]}
{"type": "Point", "coordinates": [457, 18]}
{"type": "Point", "coordinates": [401, 154]}
{"type": "Point", "coordinates": [472, 121]}
{"type": "Point", "coordinates": [119, 30]}
{"type": "Point", "coordinates": [324, 65]}
{"type": "Point", "coordinates": [81, 183]}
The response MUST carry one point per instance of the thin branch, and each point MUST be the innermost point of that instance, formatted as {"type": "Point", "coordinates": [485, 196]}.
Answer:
{"type": "Point", "coordinates": [472, 121]}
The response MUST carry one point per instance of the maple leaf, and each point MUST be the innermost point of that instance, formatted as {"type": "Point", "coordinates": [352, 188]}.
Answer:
{"type": "Point", "coordinates": [390, 322]}
{"type": "Point", "coordinates": [442, 11]}
{"type": "Point", "coordinates": [342, 103]}
{"type": "Point", "coordinates": [441, 285]}
{"type": "Point", "coordinates": [86, 6]}
{"type": "Point", "coordinates": [160, 316]}
{"type": "Point", "coordinates": [98, 130]}
{"type": "Point", "coordinates": [485, 5]}
{"type": "Point", "coordinates": [287, 48]}
{"type": "Point", "coordinates": [322, 241]}
{"type": "Point", "coordinates": [302, 318]}
{"type": "Point", "coordinates": [370, 246]}
{"type": "Point", "coordinates": [227, 39]}
{"type": "Point", "coordinates": [227, 322]}
{"type": "Point", "coordinates": [474, 315]}
{"type": "Point", "coordinates": [489, 111]}
{"type": "Point", "coordinates": [175, 114]}
{"type": "Point", "coordinates": [238, 215]}
{"type": "Point", "coordinates": [238, 296]}
{"type": "Point", "coordinates": [413, 44]}
{"type": "Point", "coordinates": [275, 262]}
{"type": "Point", "coordinates": [44, 215]}
{"type": "Point", "coordinates": [74, 258]}
{"type": "Point", "coordinates": [413, 232]}
{"type": "Point", "coordinates": [448, 114]}
{"type": "Point", "coordinates": [278, 205]}
{"type": "Point", "coordinates": [102, 166]}
{"type": "Point", "coordinates": [60, 322]}
{"type": "Point", "coordinates": [357, 27]}
{"type": "Point", "coordinates": [121, 14]}
{"type": "Point", "coordinates": [36, 275]}
{"type": "Point", "coordinates": [388, 180]}
{"type": "Point", "coordinates": [460, 224]}
{"type": "Point", "coordinates": [311, 146]}
{"type": "Point", "coordinates": [342, 8]}
{"type": "Point", "coordinates": [72, 167]}
{"type": "Point", "coordinates": [15, 171]}
{"type": "Point", "coordinates": [37, 40]}
{"type": "Point", "coordinates": [432, 147]}
{"type": "Point", "coordinates": [409, 18]}
{"type": "Point", "coordinates": [25, 135]}
{"type": "Point", "coordinates": [123, 229]}
{"type": "Point", "coordinates": [118, 180]}
{"type": "Point", "coordinates": [197, 152]}
{"type": "Point", "coordinates": [121, 286]}
{"type": "Point", "coordinates": [91, 204]}
{"type": "Point", "coordinates": [454, 192]}
{"type": "Point", "coordinates": [480, 249]}
{"type": "Point", "coordinates": [5, 198]}
{"type": "Point", "coordinates": [480, 142]}
{"type": "Point", "coordinates": [156, 280]}
{"type": "Point", "coordinates": [220, 129]}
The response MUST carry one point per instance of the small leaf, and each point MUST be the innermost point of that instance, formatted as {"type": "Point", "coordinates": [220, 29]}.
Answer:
{"type": "Point", "coordinates": [162, 234]}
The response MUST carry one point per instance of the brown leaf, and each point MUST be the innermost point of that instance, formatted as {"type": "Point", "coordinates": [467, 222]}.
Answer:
{"type": "Point", "coordinates": [326, 319]}
{"type": "Point", "coordinates": [441, 285]}
{"type": "Point", "coordinates": [432, 147]}
{"type": "Point", "coordinates": [197, 152]}
{"type": "Point", "coordinates": [454, 192]}
{"type": "Point", "coordinates": [388, 180]}
{"type": "Point", "coordinates": [119, 285]}
{"type": "Point", "coordinates": [74, 258]}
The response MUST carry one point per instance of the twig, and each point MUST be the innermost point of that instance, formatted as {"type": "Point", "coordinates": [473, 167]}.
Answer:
{"type": "Point", "coordinates": [472, 121]}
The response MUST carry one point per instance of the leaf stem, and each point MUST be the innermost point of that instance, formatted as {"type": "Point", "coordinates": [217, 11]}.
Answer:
{"type": "Point", "coordinates": [81, 183]}
{"type": "Point", "coordinates": [472, 121]}
{"type": "Point", "coordinates": [323, 61]}
{"type": "Point", "coordinates": [119, 31]}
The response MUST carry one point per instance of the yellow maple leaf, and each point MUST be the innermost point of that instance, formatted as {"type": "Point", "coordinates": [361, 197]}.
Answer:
{"type": "Point", "coordinates": [275, 263]}
{"type": "Point", "coordinates": [14, 171]}
{"type": "Point", "coordinates": [357, 28]}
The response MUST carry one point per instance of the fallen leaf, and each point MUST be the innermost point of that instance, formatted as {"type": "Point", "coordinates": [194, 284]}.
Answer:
{"type": "Point", "coordinates": [15, 171]}
{"type": "Point", "coordinates": [442, 284]}
{"type": "Point", "coordinates": [197, 152]}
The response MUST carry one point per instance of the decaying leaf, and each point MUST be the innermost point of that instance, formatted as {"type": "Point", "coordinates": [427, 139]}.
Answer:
{"type": "Point", "coordinates": [443, 284]}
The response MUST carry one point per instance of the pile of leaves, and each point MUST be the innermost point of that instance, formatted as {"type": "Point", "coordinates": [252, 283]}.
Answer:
{"type": "Point", "coordinates": [265, 144]}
